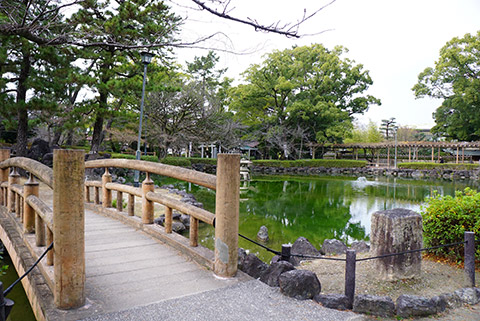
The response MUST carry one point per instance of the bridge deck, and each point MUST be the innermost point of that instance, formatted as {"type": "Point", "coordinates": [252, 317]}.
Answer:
{"type": "Point", "coordinates": [127, 268]}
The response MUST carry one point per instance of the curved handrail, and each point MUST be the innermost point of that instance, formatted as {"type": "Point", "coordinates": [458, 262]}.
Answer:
{"type": "Point", "coordinates": [189, 175]}
{"type": "Point", "coordinates": [39, 170]}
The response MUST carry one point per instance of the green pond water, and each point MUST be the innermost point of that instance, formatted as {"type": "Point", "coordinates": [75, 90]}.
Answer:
{"type": "Point", "coordinates": [318, 208]}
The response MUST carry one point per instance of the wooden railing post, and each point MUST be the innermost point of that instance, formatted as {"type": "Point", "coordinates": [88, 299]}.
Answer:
{"type": "Point", "coordinates": [119, 201]}
{"type": "Point", "coordinates": [13, 178]}
{"type": "Point", "coordinates": [147, 206]}
{"type": "Point", "coordinates": [4, 155]}
{"type": "Point", "coordinates": [168, 220]}
{"type": "Point", "coordinates": [69, 228]}
{"type": "Point", "coordinates": [131, 205]}
{"type": "Point", "coordinates": [226, 215]}
{"type": "Point", "coordinates": [29, 188]}
{"type": "Point", "coordinates": [106, 193]}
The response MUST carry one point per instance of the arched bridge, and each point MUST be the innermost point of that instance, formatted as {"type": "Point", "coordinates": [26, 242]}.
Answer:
{"type": "Point", "coordinates": [116, 260]}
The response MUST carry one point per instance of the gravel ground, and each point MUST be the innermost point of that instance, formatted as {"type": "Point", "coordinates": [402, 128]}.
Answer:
{"type": "Point", "coordinates": [435, 278]}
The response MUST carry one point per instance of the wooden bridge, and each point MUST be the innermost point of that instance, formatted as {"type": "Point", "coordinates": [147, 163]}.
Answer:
{"type": "Point", "coordinates": [116, 260]}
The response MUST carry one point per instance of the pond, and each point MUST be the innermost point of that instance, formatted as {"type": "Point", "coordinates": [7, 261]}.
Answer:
{"type": "Point", "coordinates": [318, 208]}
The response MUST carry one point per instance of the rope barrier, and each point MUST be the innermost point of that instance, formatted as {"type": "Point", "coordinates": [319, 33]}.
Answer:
{"type": "Point", "coordinates": [261, 245]}
{"type": "Point", "coordinates": [318, 257]}
{"type": "Point", "coordinates": [410, 251]}
{"type": "Point", "coordinates": [28, 271]}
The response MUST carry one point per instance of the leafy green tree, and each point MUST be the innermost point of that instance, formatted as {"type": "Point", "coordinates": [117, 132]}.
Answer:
{"type": "Point", "coordinates": [117, 73]}
{"type": "Point", "coordinates": [365, 134]}
{"type": "Point", "coordinates": [387, 127]}
{"type": "Point", "coordinates": [310, 90]}
{"type": "Point", "coordinates": [455, 79]}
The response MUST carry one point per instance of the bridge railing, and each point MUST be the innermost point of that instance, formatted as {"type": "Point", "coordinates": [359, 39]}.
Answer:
{"type": "Point", "coordinates": [225, 220]}
{"type": "Point", "coordinates": [62, 224]}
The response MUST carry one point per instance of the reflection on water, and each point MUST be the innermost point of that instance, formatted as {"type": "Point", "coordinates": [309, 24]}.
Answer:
{"type": "Point", "coordinates": [320, 207]}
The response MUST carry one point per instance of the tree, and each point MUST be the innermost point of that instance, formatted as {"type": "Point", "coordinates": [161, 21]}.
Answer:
{"type": "Point", "coordinates": [310, 88]}
{"type": "Point", "coordinates": [365, 134]}
{"type": "Point", "coordinates": [456, 80]}
{"type": "Point", "coordinates": [387, 126]}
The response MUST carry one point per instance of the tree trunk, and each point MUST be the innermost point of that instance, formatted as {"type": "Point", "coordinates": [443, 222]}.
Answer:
{"type": "Point", "coordinates": [97, 136]}
{"type": "Point", "coordinates": [22, 113]}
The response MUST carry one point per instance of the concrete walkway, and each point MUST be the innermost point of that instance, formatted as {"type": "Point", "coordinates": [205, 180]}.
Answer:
{"type": "Point", "coordinates": [247, 301]}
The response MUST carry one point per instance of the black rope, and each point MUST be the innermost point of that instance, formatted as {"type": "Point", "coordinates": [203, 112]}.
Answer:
{"type": "Point", "coordinates": [410, 251]}
{"type": "Point", "coordinates": [318, 257]}
{"type": "Point", "coordinates": [28, 271]}
{"type": "Point", "coordinates": [261, 245]}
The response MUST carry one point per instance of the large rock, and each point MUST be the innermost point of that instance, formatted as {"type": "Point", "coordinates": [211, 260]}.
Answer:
{"type": "Point", "coordinates": [242, 254]}
{"type": "Point", "coordinates": [178, 227]}
{"type": "Point", "coordinates": [413, 305]}
{"type": "Point", "coordinates": [299, 284]}
{"type": "Point", "coordinates": [253, 266]}
{"type": "Point", "coordinates": [39, 148]}
{"type": "Point", "coordinates": [303, 247]}
{"type": "Point", "coordinates": [333, 301]}
{"type": "Point", "coordinates": [332, 246]}
{"type": "Point", "coordinates": [376, 305]}
{"type": "Point", "coordinates": [360, 246]}
{"type": "Point", "coordinates": [271, 274]}
{"type": "Point", "coordinates": [395, 231]}
{"type": "Point", "coordinates": [262, 234]}
{"type": "Point", "coordinates": [469, 295]}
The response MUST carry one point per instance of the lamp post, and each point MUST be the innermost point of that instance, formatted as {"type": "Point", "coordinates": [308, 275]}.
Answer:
{"type": "Point", "coordinates": [146, 59]}
{"type": "Point", "coordinates": [396, 129]}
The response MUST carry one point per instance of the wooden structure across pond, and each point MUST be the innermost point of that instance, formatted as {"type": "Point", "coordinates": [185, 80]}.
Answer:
{"type": "Point", "coordinates": [387, 152]}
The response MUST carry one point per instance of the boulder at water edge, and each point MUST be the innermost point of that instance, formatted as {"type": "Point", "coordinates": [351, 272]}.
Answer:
{"type": "Point", "coordinates": [271, 274]}
{"type": "Point", "coordinates": [299, 284]}
{"type": "Point", "coordinates": [302, 246]}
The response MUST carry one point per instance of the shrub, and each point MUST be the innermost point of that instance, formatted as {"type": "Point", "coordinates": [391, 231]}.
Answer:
{"type": "Point", "coordinates": [142, 157]}
{"type": "Point", "coordinates": [452, 166]}
{"type": "Point", "coordinates": [446, 218]}
{"type": "Point", "coordinates": [176, 161]}
{"type": "Point", "coordinates": [339, 163]}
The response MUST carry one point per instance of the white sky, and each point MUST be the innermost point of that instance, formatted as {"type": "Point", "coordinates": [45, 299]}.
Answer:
{"type": "Point", "coordinates": [394, 40]}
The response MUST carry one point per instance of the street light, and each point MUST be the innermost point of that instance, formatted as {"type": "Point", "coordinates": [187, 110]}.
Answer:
{"type": "Point", "coordinates": [396, 129]}
{"type": "Point", "coordinates": [146, 59]}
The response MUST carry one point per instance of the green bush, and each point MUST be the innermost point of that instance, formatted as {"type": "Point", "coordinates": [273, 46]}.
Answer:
{"type": "Point", "coordinates": [339, 163]}
{"type": "Point", "coordinates": [446, 218]}
{"type": "Point", "coordinates": [142, 157]}
{"type": "Point", "coordinates": [176, 161]}
{"type": "Point", "coordinates": [451, 166]}
{"type": "Point", "coordinates": [207, 161]}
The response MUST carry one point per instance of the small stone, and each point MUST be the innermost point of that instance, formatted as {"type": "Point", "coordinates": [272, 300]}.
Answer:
{"type": "Point", "coordinates": [333, 301]}
{"type": "Point", "coordinates": [452, 300]}
{"type": "Point", "coordinates": [371, 304]}
{"type": "Point", "coordinates": [271, 274]}
{"type": "Point", "coordinates": [159, 220]}
{"type": "Point", "coordinates": [262, 234]}
{"type": "Point", "coordinates": [299, 284]}
{"type": "Point", "coordinates": [332, 246]}
{"type": "Point", "coordinates": [241, 257]}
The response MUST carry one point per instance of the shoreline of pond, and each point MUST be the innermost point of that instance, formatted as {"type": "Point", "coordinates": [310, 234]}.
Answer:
{"type": "Point", "coordinates": [439, 173]}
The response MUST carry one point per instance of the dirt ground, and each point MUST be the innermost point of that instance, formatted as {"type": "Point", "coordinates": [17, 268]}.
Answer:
{"type": "Point", "coordinates": [435, 278]}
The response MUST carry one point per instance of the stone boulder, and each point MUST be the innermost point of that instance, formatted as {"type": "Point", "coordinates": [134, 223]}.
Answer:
{"type": "Point", "coordinates": [413, 305]}
{"type": "Point", "coordinates": [332, 246]}
{"type": "Point", "coordinates": [271, 274]}
{"type": "Point", "coordinates": [469, 295]}
{"type": "Point", "coordinates": [253, 266]}
{"type": "Point", "coordinates": [242, 254]}
{"type": "Point", "coordinates": [376, 305]}
{"type": "Point", "coordinates": [178, 227]}
{"type": "Point", "coordinates": [360, 247]}
{"type": "Point", "coordinates": [262, 234]}
{"type": "Point", "coordinates": [333, 301]}
{"type": "Point", "coordinates": [185, 219]}
{"type": "Point", "coordinates": [299, 284]}
{"type": "Point", "coordinates": [39, 148]}
{"type": "Point", "coordinates": [303, 247]}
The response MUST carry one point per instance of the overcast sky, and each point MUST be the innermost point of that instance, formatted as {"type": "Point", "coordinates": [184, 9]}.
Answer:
{"type": "Point", "coordinates": [394, 40]}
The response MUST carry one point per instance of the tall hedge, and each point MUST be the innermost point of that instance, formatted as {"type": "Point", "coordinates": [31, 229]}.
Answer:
{"type": "Point", "coordinates": [428, 166]}
{"type": "Point", "coordinates": [446, 218]}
